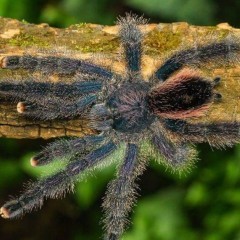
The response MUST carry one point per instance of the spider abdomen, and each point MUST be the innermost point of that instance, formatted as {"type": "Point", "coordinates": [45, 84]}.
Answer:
{"type": "Point", "coordinates": [185, 95]}
{"type": "Point", "coordinates": [129, 108]}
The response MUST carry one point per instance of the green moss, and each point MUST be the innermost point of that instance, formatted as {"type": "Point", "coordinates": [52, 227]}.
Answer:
{"type": "Point", "coordinates": [27, 40]}
{"type": "Point", "coordinates": [213, 32]}
{"type": "Point", "coordinates": [82, 27]}
{"type": "Point", "coordinates": [102, 46]}
{"type": "Point", "coordinates": [161, 41]}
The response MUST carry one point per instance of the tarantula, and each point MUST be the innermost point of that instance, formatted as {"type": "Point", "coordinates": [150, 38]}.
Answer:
{"type": "Point", "coordinates": [123, 110]}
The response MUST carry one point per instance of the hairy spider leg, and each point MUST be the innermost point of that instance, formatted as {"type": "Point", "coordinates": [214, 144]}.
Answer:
{"type": "Point", "coordinates": [65, 149]}
{"type": "Point", "coordinates": [56, 185]}
{"type": "Point", "coordinates": [219, 134]}
{"type": "Point", "coordinates": [49, 99]}
{"type": "Point", "coordinates": [131, 38]}
{"type": "Point", "coordinates": [50, 109]}
{"type": "Point", "coordinates": [175, 154]}
{"type": "Point", "coordinates": [36, 92]}
{"type": "Point", "coordinates": [121, 194]}
{"type": "Point", "coordinates": [195, 56]}
{"type": "Point", "coordinates": [52, 65]}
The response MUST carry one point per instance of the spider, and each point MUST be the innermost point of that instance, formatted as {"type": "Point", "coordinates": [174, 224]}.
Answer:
{"type": "Point", "coordinates": [126, 111]}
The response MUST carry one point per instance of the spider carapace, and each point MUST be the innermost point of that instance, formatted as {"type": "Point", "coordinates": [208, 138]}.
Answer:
{"type": "Point", "coordinates": [125, 110]}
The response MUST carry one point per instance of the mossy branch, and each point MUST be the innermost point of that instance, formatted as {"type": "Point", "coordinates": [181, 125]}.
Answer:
{"type": "Point", "coordinates": [101, 44]}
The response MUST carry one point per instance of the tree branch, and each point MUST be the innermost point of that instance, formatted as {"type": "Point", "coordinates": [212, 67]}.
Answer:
{"type": "Point", "coordinates": [101, 44]}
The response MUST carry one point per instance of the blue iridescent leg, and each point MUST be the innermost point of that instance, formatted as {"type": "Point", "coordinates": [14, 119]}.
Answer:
{"type": "Point", "coordinates": [66, 148]}
{"type": "Point", "coordinates": [35, 91]}
{"type": "Point", "coordinates": [218, 134]}
{"type": "Point", "coordinates": [121, 194]}
{"type": "Point", "coordinates": [131, 38]}
{"type": "Point", "coordinates": [56, 185]}
{"type": "Point", "coordinates": [52, 65]}
{"type": "Point", "coordinates": [195, 56]}
{"type": "Point", "coordinates": [50, 109]}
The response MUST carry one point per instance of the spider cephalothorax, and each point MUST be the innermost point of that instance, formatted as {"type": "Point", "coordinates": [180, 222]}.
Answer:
{"type": "Point", "coordinates": [129, 107]}
{"type": "Point", "coordinates": [125, 110]}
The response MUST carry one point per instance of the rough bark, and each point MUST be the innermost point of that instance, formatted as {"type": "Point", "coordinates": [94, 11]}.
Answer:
{"type": "Point", "coordinates": [101, 44]}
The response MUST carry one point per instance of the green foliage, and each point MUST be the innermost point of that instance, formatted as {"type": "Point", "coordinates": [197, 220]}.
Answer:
{"type": "Point", "coordinates": [24, 9]}
{"type": "Point", "coordinates": [181, 10]}
{"type": "Point", "coordinates": [161, 217]}
{"type": "Point", "coordinates": [8, 171]}
{"type": "Point", "coordinates": [88, 191]}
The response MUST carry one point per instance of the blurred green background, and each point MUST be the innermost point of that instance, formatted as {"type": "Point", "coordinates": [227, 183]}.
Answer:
{"type": "Point", "coordinates": [202, 205]}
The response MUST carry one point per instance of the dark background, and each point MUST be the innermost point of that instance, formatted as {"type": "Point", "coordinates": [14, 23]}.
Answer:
{"type": "Point", "coordinates": [203, 204]}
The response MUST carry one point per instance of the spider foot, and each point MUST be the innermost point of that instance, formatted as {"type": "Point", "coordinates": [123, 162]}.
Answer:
{"type": "Point", "coordinates": [4, 212]}
{"type": "Point", "coordinates": [23, 107]}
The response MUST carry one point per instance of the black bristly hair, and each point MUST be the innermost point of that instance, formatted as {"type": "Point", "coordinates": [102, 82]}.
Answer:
{"type": "Point", "coordinates": [124, 110]}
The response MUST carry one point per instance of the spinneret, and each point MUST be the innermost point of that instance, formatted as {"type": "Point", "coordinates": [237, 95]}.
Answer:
{"type": "Point", "coordinates": [122, 109]}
